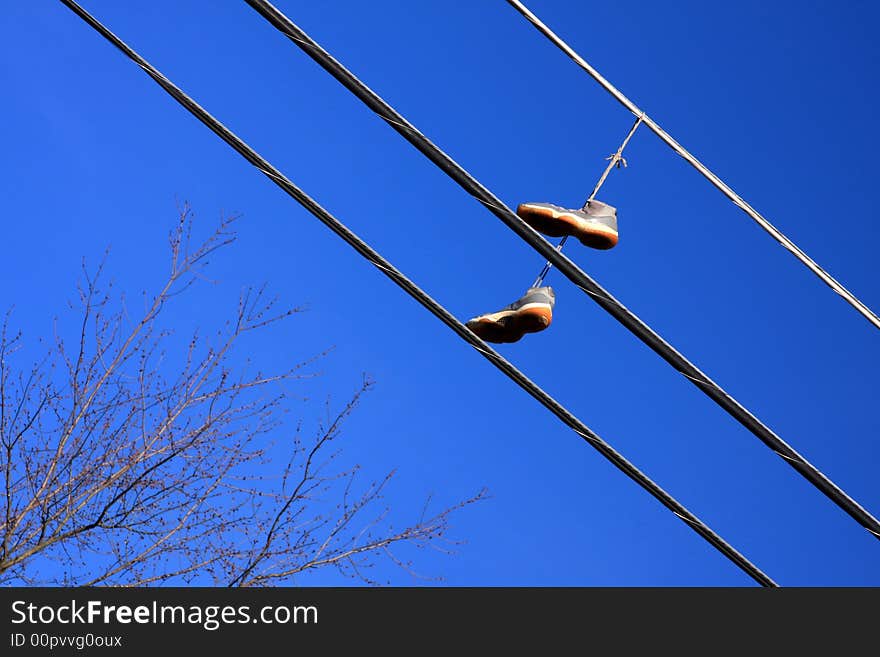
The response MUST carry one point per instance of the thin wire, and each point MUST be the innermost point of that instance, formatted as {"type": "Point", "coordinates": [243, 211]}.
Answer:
{"type": "Point", "coordinates": [569, 269]}
{"type": "Point", "coordinates": [829, 280]}
{"type": "Point", "coordinates": [429, 303]}
{"type": "Point", "coordinates": [614, 161]}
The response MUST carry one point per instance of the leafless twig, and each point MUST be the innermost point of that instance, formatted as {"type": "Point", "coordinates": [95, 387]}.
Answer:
{"type": "Point", "coordinates": [117, 473]}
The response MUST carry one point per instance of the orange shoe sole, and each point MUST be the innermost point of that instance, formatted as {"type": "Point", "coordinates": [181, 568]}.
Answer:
{"type": "Point", "coordinates": [512, 327]}
{"type": "Point", "coordinates": [557, 224]}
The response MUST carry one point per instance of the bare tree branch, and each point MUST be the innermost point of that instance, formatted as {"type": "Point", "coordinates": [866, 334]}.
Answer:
{"type": "Point", "coordinates": [128, 460]}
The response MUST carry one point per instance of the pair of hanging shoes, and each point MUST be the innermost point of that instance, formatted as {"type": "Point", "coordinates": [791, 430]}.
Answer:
{"type": "Point", "coordinates": [594, 225]}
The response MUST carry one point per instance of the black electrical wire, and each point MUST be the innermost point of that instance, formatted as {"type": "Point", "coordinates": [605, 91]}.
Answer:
{"type": "Point", "coordinates": [435, 308]}
{"type": "Point", "coordinates": [570, 270]}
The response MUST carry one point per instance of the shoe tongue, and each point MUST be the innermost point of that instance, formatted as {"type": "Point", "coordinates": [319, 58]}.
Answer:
{"type": "Point", "coordinates": [546, 290]}
{"type": "Point", "coordinates": [595, 207]}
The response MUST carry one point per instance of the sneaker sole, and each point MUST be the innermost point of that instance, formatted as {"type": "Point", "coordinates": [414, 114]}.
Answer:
{"type": "Point", "coordinates": [511, 325]}
{"type": "Point", "coordinates": [556, 224]}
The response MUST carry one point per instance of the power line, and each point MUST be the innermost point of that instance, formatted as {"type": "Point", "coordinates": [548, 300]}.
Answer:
{"type": "Point", "coordinates": [432, 306]}
{"type": "Point", "coordinates": [827, 278]}
{"type": "Point", "coordinates": [570, 270]}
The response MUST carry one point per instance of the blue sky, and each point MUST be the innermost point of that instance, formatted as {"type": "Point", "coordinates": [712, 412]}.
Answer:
{"type": "Point", "coordinates": [772, 96]}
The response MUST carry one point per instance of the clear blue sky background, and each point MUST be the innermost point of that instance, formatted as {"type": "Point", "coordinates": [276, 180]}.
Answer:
{"type": "Point", "coordinates": [776, 97]}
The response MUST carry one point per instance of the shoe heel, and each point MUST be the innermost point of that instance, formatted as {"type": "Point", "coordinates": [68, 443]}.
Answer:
{"type": "Point", "coordinates": [533, 320]}
{"type": "Point", "coordinates": [598, 240]}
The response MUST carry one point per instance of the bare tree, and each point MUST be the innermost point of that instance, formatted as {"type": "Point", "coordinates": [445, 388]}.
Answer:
{"type": "Point", "coordinates": [119, 469]}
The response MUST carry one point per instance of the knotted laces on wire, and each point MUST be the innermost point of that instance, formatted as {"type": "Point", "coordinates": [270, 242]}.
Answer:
{"type": "Point", "coordinates": [615, 161]}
